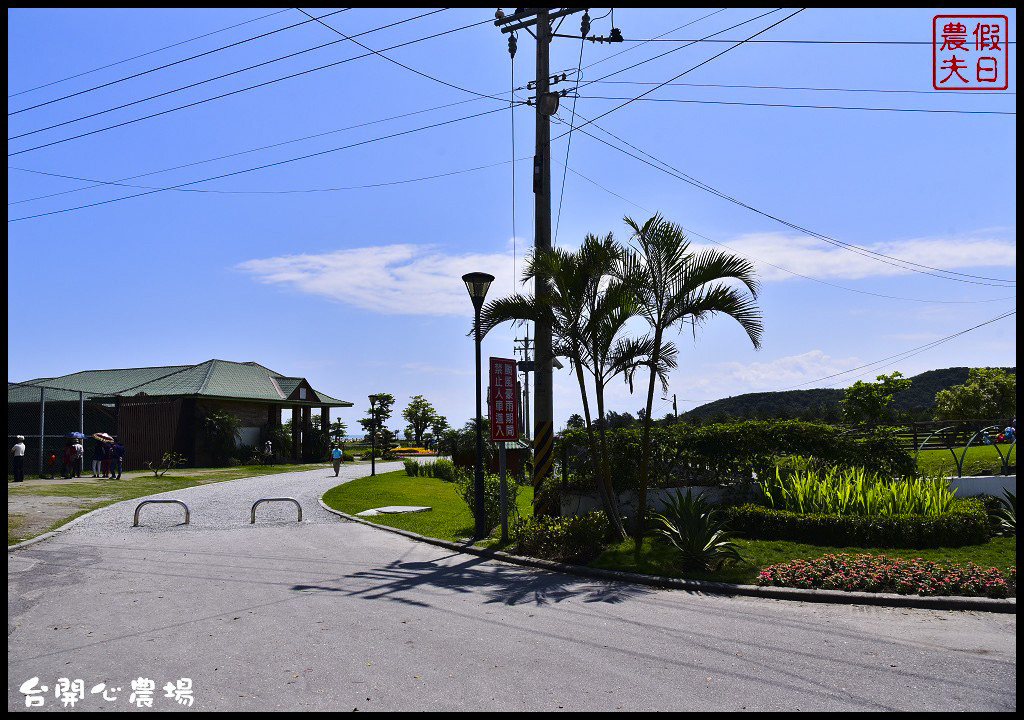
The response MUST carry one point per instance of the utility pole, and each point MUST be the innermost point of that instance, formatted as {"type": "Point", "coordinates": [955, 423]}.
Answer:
{"type": "Point", "coordinates": [547, 105]}
{"type": "Point", "coordinates": [527, 366]}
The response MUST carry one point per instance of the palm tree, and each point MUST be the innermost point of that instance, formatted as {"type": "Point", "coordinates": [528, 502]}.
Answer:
{"type": "Point", "coordinates": [584, 321]}
{"type": "Point", "coordinates": [673, 286]}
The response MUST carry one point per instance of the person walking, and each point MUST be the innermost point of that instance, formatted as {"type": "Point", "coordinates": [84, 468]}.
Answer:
{"type": "Point", "coordinates": [336, 459]}
{"type": "Point", "coordinates": [18, 455]}
{"type": "Point", "coordinates": [116, 459]}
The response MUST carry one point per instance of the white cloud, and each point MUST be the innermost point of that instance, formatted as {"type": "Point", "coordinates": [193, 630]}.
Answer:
{"type": "Point", "coordinates": [403, 279]}
{"type": "Point", "coordinates": [815, 258]}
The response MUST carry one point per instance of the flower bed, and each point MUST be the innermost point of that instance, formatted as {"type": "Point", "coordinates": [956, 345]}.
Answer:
{"type": "Point", "coordinates": [877, 573]}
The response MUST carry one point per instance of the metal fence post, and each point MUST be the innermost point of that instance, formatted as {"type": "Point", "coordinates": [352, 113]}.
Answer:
{"type": "Point", "coordinates": [42, 426]}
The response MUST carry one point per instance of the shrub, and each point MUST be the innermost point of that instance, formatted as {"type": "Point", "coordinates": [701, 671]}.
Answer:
{"type": "Point", "coordinates": [444, 469]}
{"type": "Point", "coordinates": [572, 539]}
{"type": "Point", "coordinates": [1005, 513]}
{"type": "Point", "coordinates": [466, 486]}
{"type": "Point", "coordinates": [684, 454]}
{"type": "Point", "coordinates": [695, 529]}
{"type": "Point", "coordinates": [854, 492]}
{"type": "Point", "coordinates": [877, 573]}
{"type": "Point", "coordinates": [412, 468]}
{"type": "Point", "coordinates": [965, 524]}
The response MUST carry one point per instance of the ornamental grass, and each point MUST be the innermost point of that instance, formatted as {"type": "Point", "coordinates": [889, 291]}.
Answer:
{"type": "Point", "coordinates": [877, 573]}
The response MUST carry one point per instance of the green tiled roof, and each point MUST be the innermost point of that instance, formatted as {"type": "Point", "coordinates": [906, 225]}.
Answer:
{"type": "Point", "coordinates": [213, 378]}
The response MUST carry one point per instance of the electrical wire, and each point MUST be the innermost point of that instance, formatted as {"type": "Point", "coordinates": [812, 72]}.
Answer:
{"type": "Point", "coordinates": [568, 144]}
{"type": "Point", "coordinates": [814, 107]}
{"type": "Point", "coordinates": [907, 353]}
{"type": "Point", "coordinates": [212, 79]}
{"type": "Point", "coordinates": [235, 92]}
{"type": "Point", "coordinates": [691, 231]}
{"type": "Point", "coordinates": [391, 60]}
{"type": "Point", "coordinates": [136, 57]}
{"type": "Point", "coordinates": [881, 257]}
{"type": "Point", "coordinates": [162, 67]}
{"type": "Point", "coordinates": [224, 157]}
{"type": "Point", "coordinates": [262, 167]}
{"type": "Point", "coordinates": [818, 89]}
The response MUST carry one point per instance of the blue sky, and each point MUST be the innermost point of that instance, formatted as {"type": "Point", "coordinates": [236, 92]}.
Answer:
{"type": "Point", "coordinates": [349, 200]}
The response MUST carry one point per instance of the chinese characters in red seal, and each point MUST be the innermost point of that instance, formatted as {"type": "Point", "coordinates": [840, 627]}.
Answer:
{"type": "Point", "coordinates": [970, 52]}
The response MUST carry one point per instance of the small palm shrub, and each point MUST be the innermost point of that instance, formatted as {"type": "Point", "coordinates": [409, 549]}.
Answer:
{"type": "Point", "coordinates": [1005, 513]}
{"type": "Point", "coordinates": [693, 526]}
{"type": "Point", "coordinates": [574, 539]}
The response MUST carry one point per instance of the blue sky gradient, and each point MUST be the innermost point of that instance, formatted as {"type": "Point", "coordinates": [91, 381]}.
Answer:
{"type": "Point", "coordinates": [343, 266]}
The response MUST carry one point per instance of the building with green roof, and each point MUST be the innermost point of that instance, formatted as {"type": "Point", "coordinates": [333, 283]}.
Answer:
{"type": "Point", "coordinates": [161, 409]}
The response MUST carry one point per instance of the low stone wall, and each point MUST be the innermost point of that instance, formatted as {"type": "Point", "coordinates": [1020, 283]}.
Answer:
{"type": "Point", "coordinates": [581, 504]}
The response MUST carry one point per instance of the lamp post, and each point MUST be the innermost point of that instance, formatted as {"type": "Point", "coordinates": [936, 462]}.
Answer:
{"type": "Point", "coordinates": [477, 284]}
{"type": "Point", "coordinates": [373, 435]}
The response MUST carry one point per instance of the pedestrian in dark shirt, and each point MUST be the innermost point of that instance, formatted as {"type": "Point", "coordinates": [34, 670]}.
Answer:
{"type": "Point", "coordinates": [116, 459]}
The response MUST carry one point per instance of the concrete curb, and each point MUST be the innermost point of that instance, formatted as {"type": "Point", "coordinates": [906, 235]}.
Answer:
{"type": "Point", "coordinates": [1008, 605]}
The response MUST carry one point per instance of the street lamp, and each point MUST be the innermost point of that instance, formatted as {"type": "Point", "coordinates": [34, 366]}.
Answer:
{"type": "Point", "coordinates": [477, 284]}
{"type": "Point", "coordinates": [373, 435]}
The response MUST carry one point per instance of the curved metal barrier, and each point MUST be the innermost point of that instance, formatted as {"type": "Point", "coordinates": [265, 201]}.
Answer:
{"type": "Point", "coordinates": [151, 502]}
{"type": "Point", "coordinates": [263, 500]}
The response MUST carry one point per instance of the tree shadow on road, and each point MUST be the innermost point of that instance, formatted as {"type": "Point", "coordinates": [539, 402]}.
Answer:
{"type": "Point", "coordinates": [404, 582]}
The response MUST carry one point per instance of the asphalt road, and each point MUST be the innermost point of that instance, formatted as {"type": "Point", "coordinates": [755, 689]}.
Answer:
{"type": "Point", "coordinates": [333, 615]}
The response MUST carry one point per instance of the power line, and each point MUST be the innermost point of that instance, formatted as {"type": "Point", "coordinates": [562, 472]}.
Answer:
{"type": "Point", "coordinates": [819, 89]}
{"type": "Point", "coordinates": [907, 353]}
{"type": "Point", "coordinates": [261, 167]}
{"type": "Point", "coordinates": [162, 67]}
{"type": "Point", "coordinates": [235, 92]}
{"type": "Point", "coordinates": [217, 77]}
{"type": "Point", "coordinates": [229, 155]}
{"type": "Point", "coordinates": [814, 107]}
{"type": "Point", "coordinates": [274, 192]}
{"type": "Point", "coordinates": [691, 69]}
{"type": "Point", "coordinates": [390, 60]}
{"type": "Point", "coordinates": [786, 270]}
{"type": "Point", "coordinates": [890, 260]}
{"type": "Point", "coordinates": [784, 42]}
{"type": "Point", "coordinates": [136, 57]}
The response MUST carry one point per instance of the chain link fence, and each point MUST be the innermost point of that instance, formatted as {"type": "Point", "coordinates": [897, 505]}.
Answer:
{"type": "Point", "coordinates": [47, 416]}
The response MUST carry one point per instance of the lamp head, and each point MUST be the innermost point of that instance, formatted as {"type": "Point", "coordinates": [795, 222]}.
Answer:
{"type": "Point", "coordinates": [477, 284]}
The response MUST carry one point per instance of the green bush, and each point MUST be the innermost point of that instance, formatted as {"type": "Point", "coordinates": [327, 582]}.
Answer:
{"type": "Point", "coordinates": [572, 539]}
{"type": "Point", "coordinates": [693, 526]}
{"type": "Point", "coordinates": [412, 468]}
{"type": "Point", "coordinates": [685, 455]}
{"type": "Point", "coordinates": [466, 485]}
{"type": "Point", "coordinates": [854, 491]}
{"type": "Point", "coordinates": [965, 524]}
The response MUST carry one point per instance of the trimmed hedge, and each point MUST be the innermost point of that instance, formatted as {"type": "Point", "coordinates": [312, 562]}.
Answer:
{"type": "Point", "coordinates": [966, 524]}
{"type": "Point", "coordinates": [684, 454]}
{"type": "Point", "coordinates": [572, 539]}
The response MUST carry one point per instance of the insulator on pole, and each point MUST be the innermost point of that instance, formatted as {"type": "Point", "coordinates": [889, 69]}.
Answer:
{"type": "Point", "coordinates": [585, 24]}
{"type": "Point", "coordinates": [512, 45]}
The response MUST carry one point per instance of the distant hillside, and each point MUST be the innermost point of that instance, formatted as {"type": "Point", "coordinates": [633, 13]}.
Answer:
{"type": "Point", "coordinates": [823, 404]}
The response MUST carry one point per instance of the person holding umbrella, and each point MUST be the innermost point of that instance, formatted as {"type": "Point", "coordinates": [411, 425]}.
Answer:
{"type": "Point", "coordinates": [99, 453]}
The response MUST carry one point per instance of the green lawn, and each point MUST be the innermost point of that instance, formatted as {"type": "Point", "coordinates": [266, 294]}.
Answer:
{"type": "Point", "coordinates": [449, 517]}
{"type": "Point", "coordinates": [451, 520]}
{"type": "Point", "coordinates": [980, 460]}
